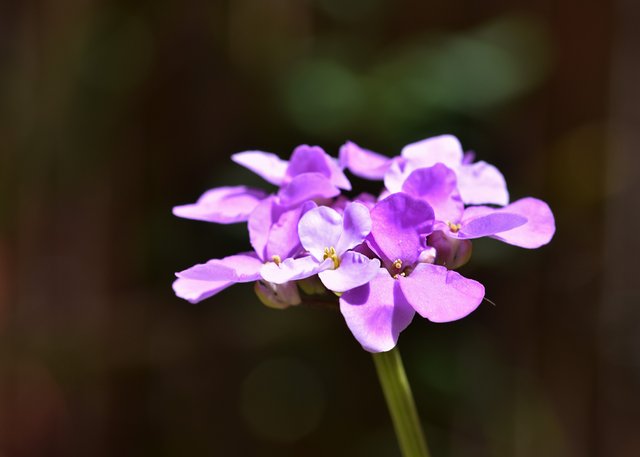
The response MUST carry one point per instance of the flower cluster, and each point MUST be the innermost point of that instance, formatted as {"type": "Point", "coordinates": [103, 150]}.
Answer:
{"type": "Point", "coordinates": [386, 257]}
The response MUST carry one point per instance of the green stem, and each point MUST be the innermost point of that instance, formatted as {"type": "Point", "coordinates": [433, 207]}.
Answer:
{"type": "Point", "coordinates": [401, 405]}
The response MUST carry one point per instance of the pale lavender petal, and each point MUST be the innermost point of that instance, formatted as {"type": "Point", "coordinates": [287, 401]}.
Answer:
{"type": "Point", "coordinates": [376, 312]}
{"type": "Point", "coordinates": [194, 290]}
{"type": "Point", "coordinates": [439, 294]}
{"type": "Point", "coordinates": [444, 149]}
{"type": "Point", "coordinates": [437, 186]}
{"type": "Point", "coordinates": [306, 159]}
{"type": "Point", "coordinates": [494, 222]}
{"type": "Point", "coordinates": [224, 205]}
{"type": "Point", "coordinates": [338, 178]}
{"type": "Point", "coordinates": [355, 270]}
{"type": "Point", "coordinates": [307, 186]}
{"type": "Point", "coordinates": [268, 166]}
{"type": "Point", "coordinates": [246, 266]}
{"type": "Point", "coordinates": [399, 226]}
{"type": "Point", "coordinates": [356, 225]}
{"type": "Point", "coordinates": [362, 162]}
{"type": "Point", "coordinates": [539, 228]}
{"type": "Point", "coordinates": [293, 269]}
{"type": "Point", "coordinates": [395, 176]}
{"type": "Point", "coordinates": [205, 280]}
{"type": "Point", "coordinates": [482, 183]}
{"type": "Point", "coordinates": [243, 267]}
{"type": "Point", "coordinates": [320, 228]}
{"type": "Point", "coordinates": [273, 229]}
{"type": "Point", "coordinates": [313, 159]}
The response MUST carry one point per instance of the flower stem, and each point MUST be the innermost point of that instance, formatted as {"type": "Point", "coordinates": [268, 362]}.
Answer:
{"type": "Point", "coordinates": [397, 393]}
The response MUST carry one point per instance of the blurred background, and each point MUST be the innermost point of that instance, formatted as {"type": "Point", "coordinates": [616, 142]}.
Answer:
{"type": "Point", "coordinates": [112, 112]}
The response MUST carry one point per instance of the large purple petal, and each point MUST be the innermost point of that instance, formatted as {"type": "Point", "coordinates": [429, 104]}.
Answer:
{"type": "Point", "coordinates": [293, 269]}
{"type": "Point", "coordinates": [313, 159]}
{"type": "Point", "coordinates": [224, 205]}
{"type": "Point", "coordinates": [265, 164]}
{"type": "Point", "coordinates": [399, 226]}
{"type": "Point", "coordinates": [444, 149]}
{"type": "Point", "coordinates": [320, 228]}
{"type": "Point", "coordinates": [307, 186]}
{"type": "Point", "coordinates": [376, 312]}
{"type": "Point", "coordinates": [439, 294]}
{"type": "Point", "coordinates": [538, 229]}
{"type": "Point", "coordinates": [490, 224]}
{"type": "Point", "coordinates": [482, 183]}
{"type": "Point", "coordinates": [355, 270]}
{"type": "Point", "coordinates": [437, 186]}
{"type": "Point", "coordinates": [205, 280]}
{"type": "Point", "coordinates": [362, 162]}
{"type": "Point", "coordinates": [273, 229]}
{"type": "Point", "coordinates": [356, 225]}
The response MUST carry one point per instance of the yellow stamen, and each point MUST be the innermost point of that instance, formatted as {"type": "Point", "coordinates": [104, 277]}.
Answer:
{"type": "Point", "coordinates": [330, 253]}
{"type": "Point", "coordinates": [453, 227]}
{"type": "Point", "coordinates": [397, 264]}
{"type": "Point", "coordinates": [276, 259]}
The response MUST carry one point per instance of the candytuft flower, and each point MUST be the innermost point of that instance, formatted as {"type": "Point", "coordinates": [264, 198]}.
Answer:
{"type": "Point", "coordinates": [387, 257]}
{"type": "Point", "coordinates": [329, 238]}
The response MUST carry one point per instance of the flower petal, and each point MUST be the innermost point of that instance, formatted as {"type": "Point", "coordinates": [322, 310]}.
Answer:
{"type": "Point", "coordinates": [538, 230]}
{"type": "Point", "coordinates": [399, 225]}
{"type": "Point", "coordinates": [313, 159]}
{"type": "Point", "coordinates": [307, 186]}
{"type": "Point", "coordinates": [444, 149]}
{"type": "Point", "coordinates": [481, 183]}
{"type": "Point", "coordinates": [195, 291]}
{"type": "Point", "coordinates": [439, 294]}
{"type": "Point", "coordinates": [293, 269]}
{"type": "Point", "coordinates": [243, 267]}
{"type": "Point", "coordinates": [494, 222]}
{"type": "Point", "coordinates": [355, 270]}
{"type": "Point", "coordinates": [205, 280]}
{"type": "Point", "coordinates": [268, 166]}
{"type": "Point", "coordinates": [376, 312]}
{"type": "Point", "coordinates": [437, 186]}
{"type": "Point", "coordinates": [320, 228]}
{"type": "Point", "coordinates": [356, 225]}
{"type": "Point", "coordinates": [273, 229]}
{"type": "Point", "coordinates": [224, 205]}
{"type": "Point", "coordinates": [362, 162]}
{"type": "Point", "coordinates": [396, 174]}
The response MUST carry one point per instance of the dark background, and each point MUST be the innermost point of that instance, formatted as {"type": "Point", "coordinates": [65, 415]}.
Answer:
{"type": "Point", "coordinates": [113, 112]}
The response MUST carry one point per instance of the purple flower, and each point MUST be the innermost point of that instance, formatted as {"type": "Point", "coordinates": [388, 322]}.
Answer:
{"type": "Point", "coordinates": [478, 183]}
{"type": "Point", "coordinates": [377, 312]}
{"type": "Point", "coordinates": [328, 237]}
{"type": "Point", "coordinates": [274, 235]}
{"type": "Point", "coordinates": [386, 257]}
{"type": "Point", "coordinates": [310, 174]}
{"type": "Point", "coordinates": [205, 280]}
{"type": "Point", "coordinates": [224, 205]}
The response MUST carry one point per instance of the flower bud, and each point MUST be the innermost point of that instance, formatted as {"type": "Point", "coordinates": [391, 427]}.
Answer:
{"type": "Point", "coordinates": [277, 296]}
{"type": "Point", "coordinates": [450, 252]}
{"type": "Point", "coordinates": [428, 255]}
{"type": "Point", "coordinates": [312, 285]}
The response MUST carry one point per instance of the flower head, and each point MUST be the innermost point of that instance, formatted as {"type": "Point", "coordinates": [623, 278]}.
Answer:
{"type": "Point", "coordinates": [387, 257]}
